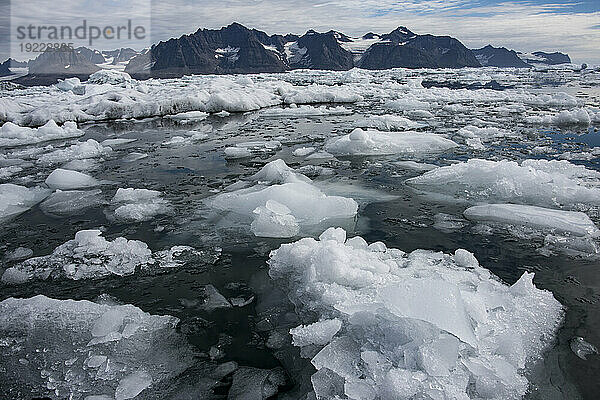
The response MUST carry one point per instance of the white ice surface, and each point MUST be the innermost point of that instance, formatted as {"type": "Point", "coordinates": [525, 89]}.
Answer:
{"type": "Point", "coordinates": [373, 142]}
{"type": "Point", "coordinates": [416, 325]}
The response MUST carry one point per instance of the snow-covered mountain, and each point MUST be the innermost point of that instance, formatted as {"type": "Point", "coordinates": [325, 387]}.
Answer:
{"type": "Point", "coordinates": [540, 57]}
{"type": "Point", "coordinates": [237, 49]}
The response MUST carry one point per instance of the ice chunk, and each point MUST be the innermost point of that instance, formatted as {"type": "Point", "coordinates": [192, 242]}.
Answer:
{"type": "Point", "coordinates": [565, 117]}
{"type": "Point", "coordinates": [139, 204]}
{"type": "Point", "coordinates": [571, 222]}
{"type": "Point", "coordinates": [109, 76]}
{"type": "Point", "coordinates": [535, 182]}
{"type": "Point", "coordinates": [89, 255]}
{"type": "Point", "coordinates": [20, 253]}
{"type": "Point", "coordinates": [15, 199]}
{"type": "Point", "coordinates": [132, 385]}
{"type": "Point", "coordinates": [14, 135]}
{"type": "Point", "coordinates": [581, 348]}
{"type": "Point", "coordinates": [189, 116]}
{"type": "Point", "coordinates": [303, 151]}
{"type": "Point", "coordinates": [237, 152]}
{"type": "Point", "coordinates": [448, 223]}
{"type": "Point", "coordinates": [408, 104]}
{"type": "Point", "coordinates": [68, 84]}
{"type": "Point", "coordinates": [388, 122]}
{"type": "Point", "coordinates": [79, 151]}
{"type": "Point", "coordinates": [71, 201]}
{"type": "Point", "coordinates": [415, 325]}
{"type": "Point", "coordinates": [284, 187]}
{"type": "Point", "coordinates": [304, 111]}
{"type": "Point", "coordinates": [319, 333]}
{"type": "Point", "coordinates": [319, 94]}
{"type": "Point", "coordinates": [372, 142]}
{"type": "Point", "coordinates": [65, 179]}
{"type": "Point", "coordinates": [464, 258]}
{"type": "Point", "coordinates": [62, 362]}
{"type": "Point", "coordinates": [274, 220]}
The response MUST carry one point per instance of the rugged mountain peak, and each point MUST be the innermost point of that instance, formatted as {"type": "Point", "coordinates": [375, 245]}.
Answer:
{"type": "Point", "coordinates": [399, 34]}
{"type": "Point", "coordinates": [490, 56]}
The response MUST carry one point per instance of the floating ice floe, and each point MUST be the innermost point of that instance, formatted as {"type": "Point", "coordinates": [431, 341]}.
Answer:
{"type": "Point", "coordinates": [71, 85]}
{"type": "Point", "coordinates": [373, 142]}
{"type": "Point", "coordinates": [14, 135]}
{"type": "Point", "coordinates": [194, 116]}
{"type": "Point", "coordinates": [65, 179]}
{"type": "Point", "coordinates": [581, 348]}
{"type": "Point", "coordinates": [535, 182]}
{"type": "Point", "coordinates": [418, 325]}
{"type": "Point", "coordinates": [280, 200]}
{"type": "Point", "coordinates": [407, 104]}
{"type": "Point", "coordinates": [15, 199]}
{"type": "Point", "coordinates": [569, 222]}
{"type": "Point", "coordinates": [91, 256]}
{"type": "Point", "coordinates": [314, 94]}
{"type": "Point", "coordinates": [304, 111]}
{"type": "Point", "coordinates": [247, 149]}
{"type": "Point", "coordinates": [111, 77]}
{"type": "Point", "coordinates": [565, 117]}
{"type": "Point", "coordinates": [70, 202]}
{"type": "Point", "coordinates": [388, 123]}
{"type": "Point", "coordinates": [80, 349]}
{"type": "Point", "coordinates": [80, 151]}
{"type": "Point", "coordinates": [139, 204]}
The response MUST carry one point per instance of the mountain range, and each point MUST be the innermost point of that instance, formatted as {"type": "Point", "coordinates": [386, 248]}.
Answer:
{"type": "Point", "coordinates": [237, 49]}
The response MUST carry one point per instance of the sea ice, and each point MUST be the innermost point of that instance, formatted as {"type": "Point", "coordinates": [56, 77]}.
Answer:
{"type": "Point", "coordinates": [14, 135]}
{"type": "Point", "coordinates": [278, 183]}
{"type": "Point", "coordinates": [139, 204]}
{"type": "Point", "coordinates": [569, 222]}
{"type": "Point", "coordinates": [535, 182]}
{"type": "Point", "coordinates": [65, 179]}
{"type": "Point", "coordinates": [74, 349]}
{"type": "Point", "coordinates": [82, 150]}
{"type": "Point", "coordinates": [304, 111]}
{"type": "Point", "coordinates": [89, 255]}
{"type": "Point", "coordinates": [373, 142]}
{"type": "Point", "coordinates": [413, 325]}
{"type": "Point", "coordinates": [388, 123]}
{"type": "Point", "coordinates": [274, 220]}
{"type": "Point", "coordinates": [71, 202]}
{"type": "Point", "coordinates": [15, 199]}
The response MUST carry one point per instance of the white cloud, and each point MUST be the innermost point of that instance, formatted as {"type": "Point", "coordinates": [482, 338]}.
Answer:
{"type": "Point", "coordinates": [518, 25]}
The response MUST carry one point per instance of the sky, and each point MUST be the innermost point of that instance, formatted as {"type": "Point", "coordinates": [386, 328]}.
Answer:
{"type": "Point", "coordinates": [571, 27]}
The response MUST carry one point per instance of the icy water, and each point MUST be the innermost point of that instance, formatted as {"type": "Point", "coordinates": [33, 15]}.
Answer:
{"type": "Point", "coordinates": [254, 331]}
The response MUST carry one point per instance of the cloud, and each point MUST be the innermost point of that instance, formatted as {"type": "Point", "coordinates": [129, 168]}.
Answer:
{"type": "Point", "coordinates": [526, 26]}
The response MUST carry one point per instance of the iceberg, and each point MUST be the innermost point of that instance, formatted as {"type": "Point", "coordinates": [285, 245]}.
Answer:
{"type": "Point", "coordinates": [411, 325]}
{"type": "Point", "coordinates": [373, 142]}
